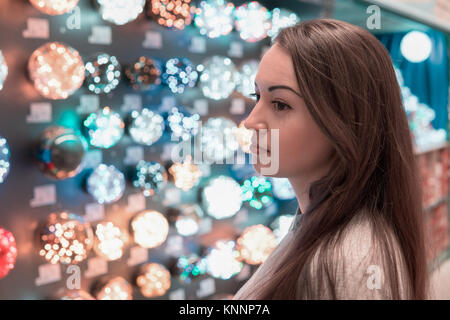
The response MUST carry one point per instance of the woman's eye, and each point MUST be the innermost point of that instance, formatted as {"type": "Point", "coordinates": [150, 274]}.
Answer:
{"type": "Point", "coordinates": [280, 106]}
{"type": "Point", "coordinates": [255, 96]}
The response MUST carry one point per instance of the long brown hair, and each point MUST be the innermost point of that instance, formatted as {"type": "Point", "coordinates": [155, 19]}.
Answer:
{"type": "Point", "coordinates": [349, 85]}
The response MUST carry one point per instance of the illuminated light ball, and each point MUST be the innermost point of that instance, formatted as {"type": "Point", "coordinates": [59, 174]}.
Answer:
{"type": "Point", "coordinates": [102, 73]}
{"type": "Point", "coordinates": [282, 188]}
{"type": "Point", "coordinates": [222, 197]}
{"type": "Point", "coordinates": [54, 7]}
{"type": "Point", "coordinates": [185, 174]}
{"type": "Point", "coordinates": [252, 21]}
{"type": "Point", "coordinates": [4, 159]}
{"type": "Point", "coordinates": [416, 46]}
{"type": "Point", "coordinates": [104, 128]}
{"type": "Point", "coordinates": [144, 74]}
{"type": "Point", "coordinates": [223, 261]}
{"type": "Point", "coordinates": [256, 243]}
{"type": "Point", "coordinates": [146, 126]}
{"type": "Point", "coordinates": [59, 152]}
{"type": "Point", "coordinates": [190, 267]}
{"type": "Point", "coordinates": [115, 289]}
{"type": "Point", "coordinates": [218, 140]}
{"type": "Point", "coordinates": [106, 184]}
{"type": "Point", "coordinates": [246, 78]}
{"type": "Point", "coordinates": [150, 228]}
{"type": "Point", "coordinates": [182, 124]}
{"type": "Point", "coordinates": [186, 218]}
{"type": "Point", "coordinates": [214, 18]}
{"type": "Point", "coordinates": [244, 137]}
{"type": "Point", "coordinates": [120, 11]}
{"type": "Point", "coordinates": [179, 74]}
{"type": "Point", "coordinates": [218, 77]}
{"type": "Point", "coordinates": [8, 252]}
{"type": "Point", "coordinates": [56, 70]}
{"type": "Point", "coordinates": [282, 18]}
{"type": "Point", "coordinates": [110, 241]}
{"type": "Point", "coordinates": [3, 70]}
{"type": "Point", "coordinates": [172, 13]}
{"type": "Point", "coordinates": [153, 280]}
{"type": "Point", "coordinates": [75, 295]}
{"type": "Point", "coordinates": [65, 238]}
{"type": "Point", "coordinates": [257, 191]}
{"type": "Point", "coordinates": [151, 177]}
{"type": "Point", "coordinates": [281, 225]}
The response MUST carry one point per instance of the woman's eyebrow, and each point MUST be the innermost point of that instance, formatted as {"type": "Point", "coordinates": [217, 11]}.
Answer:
{"type": "Point", "coordinates": [284, 87]}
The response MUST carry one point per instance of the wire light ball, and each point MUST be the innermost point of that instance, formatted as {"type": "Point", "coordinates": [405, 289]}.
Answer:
{"type": "Point", "coordinates": [115, 289]}
{"type": "Point", "coordinates": [223, 260]}
{"type": "Point", "coordinates": [282, 18]}
{"type": "Point", "coordinates": [214, 18]}
{"type": "Point", "coordinates": [106, 184]}
{"type": "Point", "coordinates": [190, 267]}
{"type": "Point", "coordinates": [222, 197]}
{"type": "Point", "coordinates": [150, 228]}
{"type": "Point", "coordinates": [257, 192]}
{"type": "Point", "coordinates": [56, 70]}
{"type": "Point", "coordinates": [65, 238]}
{"type": "Point", "coordinates": [256, 243]}
{"type": "Point", "coordinates": [102, 73]}
{"type": "Point", "coordinates": [282, 188]}
{"type": "Point", "coordinates": [104, 128]}
{"type": "Point", "coordinates": [218, 139]}
{"type": "Point", "coordinates": [172, 13]}
{"type": "Point", "coordinates": [146, 127]}
{"type": "Point", "coordinates": [144, 74]}
{"type": "Point", "coordinates": [8, 252]}
{"type": "Point", "coordinates": [3, 70]}
{"type": "Point", "coordinates": [153, 280]}
{"type": "Point", "coordinates": [252, 21]}
{"type": "Point", "coordinates": [179, 74]}
{"type": "Point", "coordinates": [182, 124]}
{"type": "Point", "coordinates": [187, 218]}
{"type": "Point", "coordinates": [110, 241]}
{"type": "Point", "coordinates": [218, 77]}
{"type": "Point", "coordinates": [151, 177]}
{"type": "Point", "coordinates": [186, 174]}
{"type": "Point", "coordinates": [54, 7]}
{"type": "Point", "coordinates": [246, 79]}
{"type": "Point", "coordinates": [120, 12]}
{"type": "Point", "coordinates": [5, 155]}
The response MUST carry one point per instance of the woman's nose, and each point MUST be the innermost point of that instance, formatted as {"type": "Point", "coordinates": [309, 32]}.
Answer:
{"type": "Point", "coordinates": [255, 121]}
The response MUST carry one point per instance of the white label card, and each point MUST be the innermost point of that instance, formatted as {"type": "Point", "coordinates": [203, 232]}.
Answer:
{"type": "Point", "coordinates": [88, 103]}
{"type": "Point", "coordinates": [178, 294]}
{"type": "Point", "coordinates": [40, 112]}
{"type": "Point", "coordinates": [236, 50]}
{"type": "Point", "coordinates": [153, 40]}
{"type": "Point", "coordinates": [48, 273]}
{"type": "Point", "coordinates": [131, 102]}
{"type": "Point", "coordinates": [92, 158]}
{"type": "Point", "coordinates": [94, 212]}
{"type": "Point", "coordinates": [134, 154]}
{"type": "Point", "coordinates": [43, 195]}
{"type": "Point", "coordinates": [101, 35]}
{"type": "Point", "coordinates": [37, 28]}
{"type": "Point", "coordinates": [237, 106]}
{"type": "Point", "coordinates": [198, 45]}
{"type": "Point", "coordinates": [96, 267]}
{"type": "Point", "coordinates": [136, 202]}
{"type": "Point", "coordinates": [207, 287]}
{"type": "Point", "coordinates": [138, 255]}
{"type": "Point", "coordinates": [201, 106]}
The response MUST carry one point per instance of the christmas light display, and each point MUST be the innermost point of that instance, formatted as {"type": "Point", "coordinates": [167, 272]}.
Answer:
{"type": "Point", "coordinates": [106, 184]}
{"type": "Point", "coordinates": [172, 13]}
{"type": "Point", "coordinates": [223, 260]}
{"type": "Point", "coordinates": [218, 77]}
{"type": "Point", "coordinates": [104, 128]}
{"type": "Point", "coordinates": [146, 126]}
{"type": "Point", "coordinates": [179, 74]}
{"type": "Point", "coordinates": [222, 197]}
{"type": "Point", "coordinates": [153, 280]}
{"type": "Point", "coordinates": [102, 73]}
{"type": "Point", "coordinates": [252, 21]}
{"type": "Point", "coordinates": [5, 155]}
{"type": "Point", "coordinates": [120, 11]}
{"type": "Point", "coordinates": [110, 241]}
{"type": "Point", "coordinates": [150, 229]}
{"type": "Point", "coordinates": [54, 7]}
{"type": "Point", "coordinates": [144, 74]}
{"type": "Point", "coordinates": [8, 252]}
{"type": "Point", "coordinates": [151, 177]}
{"type": "Point", "coordinates": [256, 243]}
{"type": "Point", "coordinates": [214, 18]}
{"type": "Point", "coordinates": [185, 174]}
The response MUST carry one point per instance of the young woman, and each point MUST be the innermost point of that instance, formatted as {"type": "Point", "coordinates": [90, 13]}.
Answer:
{"type": "Point", "coordinates": [330, 90]}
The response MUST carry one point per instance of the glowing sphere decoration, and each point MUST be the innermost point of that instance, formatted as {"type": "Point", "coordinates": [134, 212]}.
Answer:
{"type": "Point", "coordinates": [3, 70]}
{"type": "Point", "coordinates": [146, 126]}
{"type": "Point", "coordinates": [416, 46]}
{"type": "Point", "coordinates": [110, 241]}
{"type": "Point", "coordinates": [223, 261]}
{"type": "Point", "coordinates": [244, 137]}
{"type": "Point", "coordinates": [218, 77]}
{"type": "Point", "coordinates": [144, 74]}
{"type": "Point", "coordinates": [252, 21]}
{"type": "Point", "coordinates": [246, 79]}
{"type": "Point", "coordinates": [54, 7]}
{"type": "Point", "coordinates": [65, 238]}
{"type": "Point", "coordinates": [185, 174]}
{"type": "Point", "coordinates": [120, 11]}
{"type": "Point", "coordinates": [153, 280]}
{"type": "Point", "coordinates": [281, 225]}
{"type": "Point", "coordinates": [186, 218]}
{"type": "Point", "coordinates": [222, 197]}
{"type": "Point", "coordinates": [179, 74]}
{"type": "Point", "coordinates": [172, 13]}
{"type": "Point", "coordinates": [115, 289]}
{"type": "Point", "coordinates": [281, 18]}
{"type": "Point", "coordinates": [190, 267]}
{"type": "Point", "coordinates": [182, 124]}
{"type": "Point", "coordinates": [151, 177]}
{"type": "Point", "coordinates": [106, 184]}
{"type": "Point", "coordinates": [104, 128]}
{"type": "Point", "coordinates": [214, 18]}
{"type": "Point", "coordinates": [56, 70]}
{"type": "Point", "coordinates": [75, 295]}
{"type": "Point", "coordinates": [4, 159]}
{"type": "Point", "coordinates": [8, 252]}
{"type": "Point", "coordinates": [150, 229]}
{"type": "Point", "coordinates": [218, 140]}
{"type": "Point", "coordinates": [282, 188]}
{"type": "Point", "coordinates": [256, 243]}
{"type": "Point", "coordinates": [102, 73]}
{"type": "Point", "coordinates": [257, 192]}
{"type": "Point", "coordinates": [59, 152]}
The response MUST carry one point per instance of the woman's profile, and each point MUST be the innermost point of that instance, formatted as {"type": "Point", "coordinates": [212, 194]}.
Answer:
{"type": "Point", "coordinates": [330, 91]}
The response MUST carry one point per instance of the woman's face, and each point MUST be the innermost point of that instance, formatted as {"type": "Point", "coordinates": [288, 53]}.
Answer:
{"type": "Point", "coordinates": [303, 150]}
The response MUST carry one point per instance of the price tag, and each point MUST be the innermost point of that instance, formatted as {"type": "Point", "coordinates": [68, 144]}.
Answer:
{"type": "Point", "coordinates": [138, 255]}
{"type": "Point", "coordinates": [178, 294]}
{"type": "Point", "coordinates": [198, 45]}
{"type": "Point", "coordinates": [92, 158]}
{"type": "Point", "coordinates": [237, 106]}
{"type": "Point", "coordinates": [40, 112]}
{"type": "Point", "coordinates": [167, 103]}
{"type": "Point", "coordinates": [134, 154]}
{"type": "Point", "coordinates": [136, 202]}
{"type": "Point", "coordinates": [48, 273]}
{"type": "Point", "coordinates": [131, 102]}
{"type": "Point", "coordinates": [207, 287]}
{"type": "Point", "coordinates": [168, 149]}
{"type": "Point", "coordinates": [201, 106]}
{"type": "Point", "coordinates": [43, 195]}
{"type": "Point", "coordinates": [37, 28]}
{"type": "Point", "coordinates": [153, 40]}
{"type": "Point", "coordinates": [101, 35]}
{"type": "Point", "coordinates": [96, 267]}
{"type": "Point", "coordinates": [236, 50]}
{"type": "Point", "coordinates": [88, 103]}
{"type": "Point", "coordinates": [94, 212]}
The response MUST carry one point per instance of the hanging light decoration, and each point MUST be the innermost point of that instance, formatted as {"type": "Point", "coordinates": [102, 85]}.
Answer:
{"type": "Point", "coordinates": [190, 267]}
{"type": "Point", "coordinates": [218, 140]}
{"type": "Point", "coordinates": [120, 12]}
{"type": "Point", "coordinates": [102, 73]}
{"type": "Point", "coordinates": [110, 241]}
{"type": "Point", "coordinates": [150, 229]}
{"type": "Point", "coordinates": [252, 21]}
{"type": "Point", "coordinates": [186, 218]}
{"type": "Point", "coordinates": [244, 137]}
{"type": "Point", "coordinates": [106, 184]}
{"type": "Point", "coordinates": [223, 260]}
{"type": "Point", "coordinates": [65, 238]}
{"type": "Point", "coordinates": [153, 280]}
{"type": "Point", "coordinates": [150, 177]}
{"type": "Point", "coordinates": [416, 46]}
{"type": "Point", "coordinates": [104, 128]}
{"type": "Point", "coordinates": [179, 74]}
{"type": "Point", "coordinates": [281, 225]}
{"type": "Point", "coordinates": [218, 77]}
{"type": "Point", "coordinates": [75, 295]}
{"type": "Point", "coordinates": [59, 152]}
{"type": "Point", "coordinates": [54, 7]}
{"type": "Point", "coordinates": [144, 74]}
{"type": "Point", "coordinates": [246, 77]}
{"type": "Point", "coordinates": [186, 174]}
{"type": "Point", "coordinates": [214, 18]}
{"type": "Point", "coordinates": [4, 159]}
{"type": "Point", "coordinates": [256, 243]}
{"type": "Point", "coordinates": [282, 188]}
{"type": "Point", "coordinates": [172, 13]}
{"type": "Point", "coordinates": [222, 197]}
{"type": "Point", "coordinates": [257, 191]}
{"type": "Point", "coordinates": [8, 252]}
{"type": "Point", "coordinates": [182, 123]}
{"type": "Point", "coordinates": [281, 18]}
{"type": "Point", "coordinates": [56, 70]}
{"type": "Point", "coordinates": [3, 70]}
{"type": "Point", "coordinates": [146, 126]}
{"type": "Point", "coordinates": [115, 289]}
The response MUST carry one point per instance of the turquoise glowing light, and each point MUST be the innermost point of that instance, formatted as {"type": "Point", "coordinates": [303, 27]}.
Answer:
{"type": "Point", "coordinates": [215, 18]}
{"type": "Point", "coordinates": [104, 128]}
{"type": "Point", "coordinates": [4, 159]}
{"type": "Point", "coordinates": [102, 73]}
{"type": "Point", "coordinates": [190, 267]}
{"type": "Point", "coordinates": [282, 188]}
{"type": "Point", "coordinates": [257, 191]}
{"type": "Point", "coordinates": [252, 21]}
{"type": "Point", "coordinates": [151, 177]}
{"type": "Point", "coordinates": [106, 184]}
{"type": "Point", "coordinates": [183, 125]}
{"type": "Point", "coordinates": [179, 74]}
